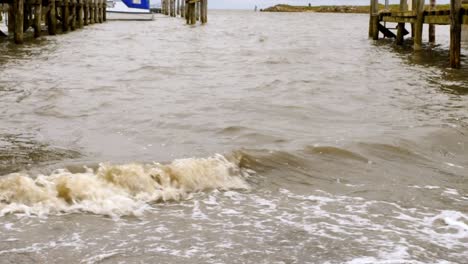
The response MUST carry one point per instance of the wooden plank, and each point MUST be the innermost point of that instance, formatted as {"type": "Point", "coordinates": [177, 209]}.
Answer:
{"type": "Point", "coordinates": [437, 20]}
{"type": "Point", "coordinates": [399, 19]}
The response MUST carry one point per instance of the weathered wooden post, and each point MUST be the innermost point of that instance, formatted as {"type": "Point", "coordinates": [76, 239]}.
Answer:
{"type": "Point", "coordinates": [401, 26]}
{"type": "Point", "coordinates": [187, 11]}
{"type": "Point", "coordinates": [418, 27]}
{"type": "Point", "coordinates": [92, 18]}
{"type": "Point", "coordinates": [18, 8]}
{"type": "Point", "coordinates": [104, 11]}
{"type": "Point", "coordinates": [455, 33]}
{"type": "Point", "coordinates": [178, 8]}
{"type": "Point", "coordinates": [432, 26]}
{"type": "Point", "coordinates": [414, 9]}
{"type": "Point", "coordinates": [197, 10]}
{"type": "Point", "coordinates": [99, 11]}
{"type": "Point", "coordinates": [11, 18]}
{"type": "Point", "coordinates": [85, 12]}
{"type": "Point", "coordinates": [96, 13]}
{"type": "Point", "coordinates": [193, 16]}
{"type": "Point", "coordinates": [65, 15]}
{"type": "Point", "coordinates": [73, 14]}
{"type": "Point", "coordinates": [374, 20]}
{"type": "Point", "coordinates": [182, 8]}
{"type": "Point", "coordinates": [79, 13]}
{"type": "Point", "coordinates": [173, 8]}
{"type": "Point", "coordinates": [204, 7]}
{"type": "Point", "coordinates": [37, 18]}
{"type": "Point", "coordinates": [52, 18]}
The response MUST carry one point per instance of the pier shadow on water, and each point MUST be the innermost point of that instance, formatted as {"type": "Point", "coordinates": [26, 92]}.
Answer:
{"type": "Point", "coordinates": [433, 64]}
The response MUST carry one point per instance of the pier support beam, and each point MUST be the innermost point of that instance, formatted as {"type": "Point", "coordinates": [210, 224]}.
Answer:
{"type": "Point", "coordinates": [204, 11]}
{"type": "Point", "coordinates": [374, 20]}
{"type": "Point", "coordinates": [65, 15]}
{"type": "Point", "coordinates": [418, 27]}
{"type": "Point", "coordinates": [432, 26]}
{"type": "Point", "coordinates": [85, 12]}
{"type": "Point", "coordinates": [401, 26]}
{"type": "Point", "coordinates": [11, 19]}
{"type": "Point", "coordinates": [79, 13]}
{"type": "Point", "coordinates": [104, 7]}
{"type": "Point", "coordinates": [73, 4]}
{"type": "Point", "coordinates": [37, 19]}
{"type": "Point", "coordinates": [182, 8]}
{"type": "Point", "coordinates": [18, 6]}
{"type": "Point", "coordinates": [455, 33]}
{"type": "Point", "coordinates": [52, 18]}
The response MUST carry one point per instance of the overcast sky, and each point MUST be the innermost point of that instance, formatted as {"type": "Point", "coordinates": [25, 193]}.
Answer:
{"type": "Point", "coordinates": [250, 4]}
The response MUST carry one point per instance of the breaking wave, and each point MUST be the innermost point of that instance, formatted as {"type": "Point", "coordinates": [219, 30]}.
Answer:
{"type": "Point", "coordinates": [117, 190]}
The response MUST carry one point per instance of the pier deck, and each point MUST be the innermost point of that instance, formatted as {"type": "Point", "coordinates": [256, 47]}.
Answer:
{"type": "Point", "coordinates": [417, 13]}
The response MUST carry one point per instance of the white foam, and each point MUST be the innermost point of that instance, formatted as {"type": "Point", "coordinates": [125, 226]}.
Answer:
{"type": "Point", "coordinates": [116, 190]}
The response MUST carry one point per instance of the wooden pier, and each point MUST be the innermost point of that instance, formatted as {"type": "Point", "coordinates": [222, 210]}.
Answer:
{"type": "Point", "coordinates": [51, 16]}
{"type": "Point", "coordinates": [191, 10]}
{"type": "Point", "coordinates": [416, 13]}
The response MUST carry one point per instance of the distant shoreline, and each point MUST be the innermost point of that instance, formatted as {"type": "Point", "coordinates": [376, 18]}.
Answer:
{"type": "Point", "coordinates": [319, 9]}
{"type": "Point", "coordinates": [351, 9]}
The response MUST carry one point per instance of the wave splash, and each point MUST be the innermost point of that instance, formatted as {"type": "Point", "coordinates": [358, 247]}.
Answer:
{"type": "Point", "coordinates": [117, 190]}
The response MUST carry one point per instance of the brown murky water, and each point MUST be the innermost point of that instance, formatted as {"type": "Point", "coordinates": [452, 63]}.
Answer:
{"type": "Point", "coordinates": [258, 138]}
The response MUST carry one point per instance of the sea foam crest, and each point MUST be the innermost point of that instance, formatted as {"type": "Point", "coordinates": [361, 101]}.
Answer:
{"type": "Point", "coordinates": [116, 190]}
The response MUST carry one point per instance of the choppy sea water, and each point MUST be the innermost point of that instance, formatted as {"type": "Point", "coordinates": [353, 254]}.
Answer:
{"type": "Point", "coordinates": [258, 138]}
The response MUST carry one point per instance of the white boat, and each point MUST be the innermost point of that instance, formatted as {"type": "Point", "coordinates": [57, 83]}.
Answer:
{"type": "Point", "coordinates": [128, 10]}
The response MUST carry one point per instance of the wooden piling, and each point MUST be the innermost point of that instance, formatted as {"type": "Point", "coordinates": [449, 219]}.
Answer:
{"type": "Point", "coordinates": [91, 12]}
{"type": "Point", "coordinates": [73, 14]}
{"type": "Point", "coordinates": [374, 20]}
{"type": "Point", "coordinates": [96, 18]}
{"type": "Point", "coordinates": [18, 8]}
{"type": "Point", "coordinates": [193, 16]}
{"type": "Point", "coordinates": [11, 19]}
{"type": "Point", "coordinates": [85, 12]}
{"type": "Point", "coordinates": [204, 11]}
{"type": "Point", "coordinates": [187, 11]}
{"type": "Point", "coordinates": [418, 27]}
{"type": "Point", "coordinates": [182, 8]}
{"type": "Point", "coordinates": [79, 13]}
{"type": "Point", "coordinates": [401, 26]}
{"type": "Point", "coordinates": [52, 18]}
{"type": "Point", "coordinates": [37, 18]}
{"type": "Point", "coordinates": [173, 8]}
{"type": "Point", "coordinates": [413, 8]}
{"type": "Point", "coordinates": [104, 7]}
{"type": "Point", "coordinates": [197, 10]}
{"type": "Point", "coordinates": [455, 33]}
{"type": "Point", "coordinates": [178, 8]}
{"type": "Point", "coordinates": [99, 10]}
{"type": "Point", "coordinates": [65, 15]}
{"type": "Point", "coordinates": [432, 26]}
